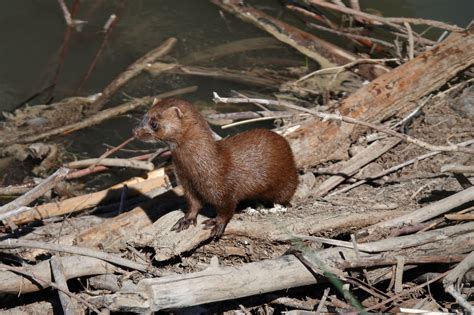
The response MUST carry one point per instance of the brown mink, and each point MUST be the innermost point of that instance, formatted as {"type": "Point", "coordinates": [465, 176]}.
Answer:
{"type": "Point", "coordinates": [256, 164]}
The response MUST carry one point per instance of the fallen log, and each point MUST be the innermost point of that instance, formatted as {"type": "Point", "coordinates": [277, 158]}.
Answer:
{"type": "Point", "coordinates": [394, 93]}
{"type": "Point", "coordinates": [169, 244]}
{"type": "Point", "coordinates": [225, 283]}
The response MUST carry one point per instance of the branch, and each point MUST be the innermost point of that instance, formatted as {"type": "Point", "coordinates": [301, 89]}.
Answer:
{"type": "Point", "coordinates": [338, 117]}
{"type": "Point", "coordinates": [15, 243]}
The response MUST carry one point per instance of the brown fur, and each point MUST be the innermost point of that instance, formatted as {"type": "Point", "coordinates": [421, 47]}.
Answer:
{"type": "Point", "coordinates": [255, 164]}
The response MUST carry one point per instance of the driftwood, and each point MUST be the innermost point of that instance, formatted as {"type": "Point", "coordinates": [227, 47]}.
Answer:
{"type": "Point", "coordinates": [96, 118]}
{"type": "Point", "coordinates": [109, 235]}
{"type": "Point", "coordinates": [69, 306]}
{"type": "Point", "coordinates": [168, 244]}
{"type": "Point", "coordinates": [235, 47]}
{"type": "Point", "coordinates": [428, 212]}
{"type": "Point", "coordinates": [326, 54]}
{"type": "Point", "coordinates": [74, 267]}
{"type": "Point", "coordinates": [393, 93]}
{"type": "Point", "coordinates": [148, 166]}
{"type": "Point", "coordinates": [14, 243]}
{"type": "Point", "coordinates": [354, 164]}
{"type": "Point", "coordinates": [216, 283]}
{"type": "Point", "coordinates": [243, 77]}
{"type": "Point", "coordinates": [36, 192]}
{"type": "Point", "coordinates": [132, 71]}
{"type": "Point", "coordinates": [80, 203]}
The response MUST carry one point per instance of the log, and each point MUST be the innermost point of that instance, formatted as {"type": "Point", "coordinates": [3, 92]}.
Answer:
{"type": "Point", "coordinates": [74, 267]}
{"type": "Point", "coordinates": [169, 244]}
{"type": "Point", "coordinates": [109, 234]}
{"type": "Point", "coordinates": [396, 92]}
{"type": "Point", "coordinates": [80, 203]}
{"type": "Point", "coordinates": [225, 283]}
{"type": "Point", "coordinates": [214, 284]}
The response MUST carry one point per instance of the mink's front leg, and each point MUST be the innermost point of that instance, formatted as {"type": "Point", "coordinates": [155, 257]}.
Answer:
{"type": "Point", "coordinates": [194, 205]}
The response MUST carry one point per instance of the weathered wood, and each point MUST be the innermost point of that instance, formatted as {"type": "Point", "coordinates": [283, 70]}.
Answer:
{"type": "Point", "coordinates": [133, 70]}
{"type": "Point", "coordinates": [69, 306]}
{"type": "Point", "coordinates": [326, 54]}
{"type": "Point", "coordinates": [355, 163]}
{"type": "Point", "coordinates": [80, 203]}
{"type": "Point", "coordinates": [109, 235]}
{"type": "Point", "coordinates": [243, 77]}
{"type": "Point", "coordinates": [396, 92]}
{"type": "Point", "coordinates": [225, 283]}
{"type": "Point", "coordinates": [235, 47]}
{"type": "Point", "coordinates": [74, 267]}
{"type": "Point", "coordinates": [36, 192]}
{"type": "Point", "coordinates": [168, 244]}
{"type": "Point", "coordinates": [91, 120]}
{"type": "Point", "coordinates": [425, 213]}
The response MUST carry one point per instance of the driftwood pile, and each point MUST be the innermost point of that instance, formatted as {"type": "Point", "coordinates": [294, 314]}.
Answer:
{"type": "Point", "coordinates": [359, 235]}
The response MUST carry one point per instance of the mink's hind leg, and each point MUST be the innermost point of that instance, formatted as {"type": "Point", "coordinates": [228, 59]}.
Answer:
{"type": "Point", "coordinates": [218, 225]}
{"type": "Point", "coordinates": [191, 214]}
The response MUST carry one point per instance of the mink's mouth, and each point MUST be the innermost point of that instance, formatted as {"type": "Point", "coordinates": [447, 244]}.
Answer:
{"type": "Point", "coordinates": [143, 134]}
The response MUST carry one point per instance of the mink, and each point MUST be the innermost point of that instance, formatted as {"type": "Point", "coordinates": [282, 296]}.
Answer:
{"type": "Point", "coordinates": [256, 164]}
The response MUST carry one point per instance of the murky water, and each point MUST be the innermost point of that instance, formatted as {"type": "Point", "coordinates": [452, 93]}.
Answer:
{"type": "Point", "coordinates": [31, 33]}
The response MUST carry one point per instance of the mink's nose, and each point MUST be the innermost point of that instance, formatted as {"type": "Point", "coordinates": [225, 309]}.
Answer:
{"type": "Point", "coordinates": [139, 132]}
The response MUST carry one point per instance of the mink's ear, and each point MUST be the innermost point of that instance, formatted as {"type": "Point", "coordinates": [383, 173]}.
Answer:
{"type": "Point", "coordinates": [178, 111]}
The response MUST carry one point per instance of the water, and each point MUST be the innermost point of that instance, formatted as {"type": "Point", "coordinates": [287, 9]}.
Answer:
{"type": "Point", "coordinates": [31, 33]}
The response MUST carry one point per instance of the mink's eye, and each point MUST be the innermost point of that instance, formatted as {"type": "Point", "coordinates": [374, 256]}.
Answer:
{"type": "Point", "coordinates": [153, 124]}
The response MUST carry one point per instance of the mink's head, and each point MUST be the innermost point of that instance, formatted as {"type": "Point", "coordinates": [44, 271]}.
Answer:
{"type": "Point", "coordinates": [167, 121]}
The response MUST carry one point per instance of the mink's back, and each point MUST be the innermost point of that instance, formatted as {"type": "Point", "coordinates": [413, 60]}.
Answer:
{"type": "Point", "coordinates": [260, 166]}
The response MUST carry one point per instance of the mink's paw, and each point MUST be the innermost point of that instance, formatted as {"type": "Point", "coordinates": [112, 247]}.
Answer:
{"type": "Point", "coordinates": [217, 228]}
{"type": "Point", "coordinates": [183, 224]}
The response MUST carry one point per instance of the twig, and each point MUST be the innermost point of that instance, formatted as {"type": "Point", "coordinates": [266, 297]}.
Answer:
{"type": "Point", "coordinates": [323, 300]}
{"type": "Point", "coordinates": [455, 275]}
{"type": "Point", "coordinates": [428, 212]}
{"type": "Point", "coordinates": [248, 121]}
{"type": "Point", "coordinates": [15, 243]}
{"type": "Point", "coordinates": [112, 162]}
{"type": "Point", "coordinates": [394, 169]}
{"type": "Point", "coordinates": [460, 217]}
{"type": "Point", "coordinates": [52, 284]}
{"type": "Point", "coordinates": [360, 39]}
{"type": "Point", "coordinates": [341, 68]}
{"type": "Point", "coordinates": [388, 20]}
{"type": "Point", "coordinates": [133, 70]}
{"type": "Point", "coordinates": [66, 14]}
{"type": "Point", "coordinates": [409, 260]}
{"type": "Point", "coordinates": [66, 39]}
{"type": "Point", "coordinates": [102, 115]}
{"type": "Point", "coordinates": [399, 273]}
{"type": "Point", "coordinates": [457, 168]}
{"type": "Point", "coordinates": [108, 27]}
{"type": "Point", "coordinates": [406, 292]}
{"type": "Point", "coordinates": [338, 117]}
{"type": "Point", "coordinates": [411, 41]}
{"type": "Point", "coordinates": [356, 249]}
{"type": "Point", "coordinates": [36, 192]}
{"type": "Point", "coordinates": [460, 299]}
{"type": "Point", "coordinates": [57, 269]}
